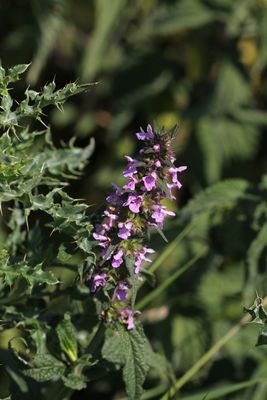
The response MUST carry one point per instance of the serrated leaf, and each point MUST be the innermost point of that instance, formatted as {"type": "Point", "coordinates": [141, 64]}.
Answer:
{"type": "Point", "coordinates": [111, 349]}
{"type": "Point", "coordinates": [230, 140]}
{"type": "Point", "coordinates": [45, 367]}
{"type": "Point", "coordinates": [127, 348]}
{"type": "Point", "coordinates": [135, 367]}
{"type": "Point", "coordinates": [14, 73]}
{"type": "Point", "coordinates": [220, 195]}
{"type": "Point", "coordinates": [75, 382]}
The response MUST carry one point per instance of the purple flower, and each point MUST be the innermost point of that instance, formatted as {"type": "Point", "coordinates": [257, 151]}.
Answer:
{"type": "Point", "coordinates": [127, 317]}
{"type": "Point", "coordinates": [109, 220]}
{"type": "Point", "coordinates": [131, 160]}
{"type": "Point", "coordinates": [150, 181]}
{"type": "Point", "coordinates": [175, 181]}
{"type": "Point", "coordinates": [140, 257]}
{"type": "Point", "coordinates": [148, 135]}
{"type": "Point", "coordinates": [131, 167]}
{"type": "Point", "coordinates": [159, 213]}
{"type": "Point", "coordinates": [117, 259]}
{"type": "Point", "coordinates": [125, 230]}
{"type": "Point", "coordinates": [97, 281]}
{"type": "Point", "coordinates": [121, 291]}
{"type": "Point", "coordinates": [131, 184]}
{"type": "Point", "coordinates": [134, 202]}
{"type": "Point", "coordinates": [114, 197]}
{"type": "Point", "coordinates": [100, 236]}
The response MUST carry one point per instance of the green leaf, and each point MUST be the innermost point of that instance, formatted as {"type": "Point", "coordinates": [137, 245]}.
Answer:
{"type": "Point", "coordinates": [51, 24]}
{"type": "Point", "coordinates": [221, 392]}
{"type": "Point", "coordinates": [218, 196]}
{"type": "Point", "coordinates": [75, 382]}
{"type": "Point", "coordinates": [258, 245]}
{"type": "Point", "coordinates": [67, 336]}
{"type": "Point", "coordinates": [231, 90]}
{"type": "Point", "coordinates": [34, 275]}
{"type": "Point", "coordinates": [14, 73]}
{"type": "Point", "coordinates": [170, 19]}
{"type": "Point", "coordinates": [45, 367]}
{"type": "Point", "coordinates": [230, 140]}
{"type": "Point", "coordinates": [135, 368]}
{"type": "Point", "coordinates": [127, 348]}
{"type": "Point", "coordinates": [107, 17]}
{"type": "Point", "coordinates": [111, 349]}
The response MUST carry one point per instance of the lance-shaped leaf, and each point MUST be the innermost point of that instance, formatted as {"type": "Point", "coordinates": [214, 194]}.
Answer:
{"type": "Point", "coordinates": [67, 336]}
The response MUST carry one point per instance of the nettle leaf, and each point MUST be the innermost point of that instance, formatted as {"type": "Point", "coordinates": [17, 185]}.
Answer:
{"type": "Point", "coordinates": [229, 141]}
{"type": "Point", "coordinates": [44, 368]}
{"type": "Point", "coordinates": [220, 195]}
{"type": "Point", "coordinates": [135, 367]}
{"type": "Point", "coordinates": [111, 349]}
{"type": "Point", "coordinates": [67, 336]}
{"type": "Point", "coordinates": [75, 382]}
{"type": "Point", "coordinates": [127, 349]}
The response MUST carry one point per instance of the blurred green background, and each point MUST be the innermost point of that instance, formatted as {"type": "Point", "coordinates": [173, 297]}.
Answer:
{"type": "Point", "coordinates": [200, 64]}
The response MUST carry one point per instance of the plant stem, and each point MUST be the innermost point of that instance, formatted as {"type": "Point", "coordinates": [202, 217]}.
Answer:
{"type": "Point", "coordinates": [97, 338]}
{"type": "Point", "coordinates": [207, 356]}
{"type": "Point", "coordinates": [152, 393]}
{"type": "Point", "coordinates": [170, 248]}
{"type": "Point", "coordinates": [156, 292]}
{"type": "Point", "coordinates": [225, 390]}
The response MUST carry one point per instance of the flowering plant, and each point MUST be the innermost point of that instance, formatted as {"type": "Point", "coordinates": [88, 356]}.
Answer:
{"type": "Point", "coordinates": [68, 284]}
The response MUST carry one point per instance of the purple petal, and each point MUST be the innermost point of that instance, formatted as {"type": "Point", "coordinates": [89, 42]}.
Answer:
{"type": "Point", "coordinates": [99, 237]}
{"type": "Point", "coordinates": [117, 259]}
{"type": "Point", "coordinates": [116, 263]}
{"type": "Point", "coordinates": [97, 281]}
{"type": "Point", "coordinates": [135, 206]}
{"type": "Point", "coordinates": [150, 181]}
{"type": "Point", "coordinates": [148, 135]}
{"type": "Point", "coordinates": [121, 292]}
{"type": "Point", "coordinates": [125, 230]}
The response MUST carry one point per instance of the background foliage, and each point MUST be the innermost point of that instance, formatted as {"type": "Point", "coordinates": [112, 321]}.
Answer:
{"type": "Point", "coordinates": [201, 63]}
